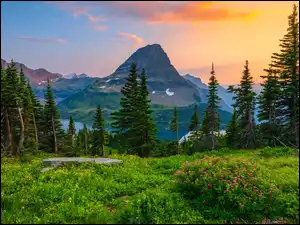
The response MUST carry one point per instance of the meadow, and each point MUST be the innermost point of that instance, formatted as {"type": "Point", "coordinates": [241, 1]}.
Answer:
{"type": "Point", "coordinates": [225, 186]}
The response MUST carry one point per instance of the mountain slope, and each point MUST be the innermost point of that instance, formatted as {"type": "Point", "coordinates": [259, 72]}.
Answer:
{"type": "Point", "coordinates": [226, 98]}
{"type": "Point", "coordinates": [165, 84]}
{"type": "Point", "coordinates": [35, 76]}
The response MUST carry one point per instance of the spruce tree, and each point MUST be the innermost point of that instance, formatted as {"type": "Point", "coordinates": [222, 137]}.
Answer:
{"type": "Point", "coordinates": [143, 126]}
{"type": "Point", "coordinates": [13, 107]}
{"type": "Point", "coordinates": [211, 118]}
{"type": "Point", "coordinates": [71, 131]}
{"type": "Point", "coordinates": [85, 139]}
{"type": "Point", "coordinates": [244, 104]}
{"type": "Point", "coordinates": [124, 118]}
{"type": "Point", "coordinates": [53, 132]}
{"type": "Point", "coordinates": [37, 115]}
{"type": "Point", "coordinates": [269, 111]}
{"type": "Point", "coordinates": [98, 133]}
{"type": "Point", "coordinates": [195, 123]}
{"type": "Point", "coordinates": [174, 125]}
{"type": "Point", "coordinates": [232, 131]}
{"type": "Point", "coordinates": [286, 64]}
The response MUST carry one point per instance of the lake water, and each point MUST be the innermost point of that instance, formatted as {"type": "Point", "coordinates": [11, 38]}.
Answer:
{"type": "Point", "coordinates": [78, 125]}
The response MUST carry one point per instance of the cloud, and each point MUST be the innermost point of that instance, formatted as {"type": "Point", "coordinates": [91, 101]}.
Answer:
{"type": "Point", "coordinates": [79, 8]}
{"type": "Point", "coordinates": [99, 27]}
{"type": "Point", "coordinates": [35, 39]}
{"type": "Point", "coordinates": [137, 39]}
{"type": "Point", "coordinates": [161, 11]}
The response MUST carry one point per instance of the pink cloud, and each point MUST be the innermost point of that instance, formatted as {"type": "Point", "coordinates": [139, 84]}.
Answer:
{"type": "Point", "coordinates": [163, 11]}
{"type": "Point", "coordinates": [137, 39]}
{"type": "Point", "coordinates": [99, 27]}
{"type": "Point", "coordinates": [35, 39]}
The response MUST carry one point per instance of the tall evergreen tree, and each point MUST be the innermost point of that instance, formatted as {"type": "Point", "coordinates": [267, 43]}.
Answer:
{"type": "Point", "coordinates": [13, 106]}
{"type": "Point", "coordinates": [144, 126]}
{"type": "Point", "coordinates": [124, 118]}
{"type": "Point", "coordinates": [53, 132]}
{"type": "Point", "coordinates": [232, 131]}
{"type": "Point", "coordinates": [71, 131]}
{"type": "Point", "coordinates": [85, 139]}
{"type": "Point", "coordinates": [195, 123]}
{"type": "Point", "coordinates": [287, 65]}
{"type": "Point", "coordinates": [37, 115]}
{"type": "Point", "coordinates": [174, 125]}
{"type": "Point", "coordinates": [244, 104]}
{"type": "Point", "coordinates": [98, 133]}
{"type": "Point", "coordinates": [269, 112]}
{"type": "Point", "coordinates": [211, 123]}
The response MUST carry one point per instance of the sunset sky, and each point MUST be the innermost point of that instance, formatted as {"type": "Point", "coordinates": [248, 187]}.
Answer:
{"type": "Point", "coordinates": [96, 37]}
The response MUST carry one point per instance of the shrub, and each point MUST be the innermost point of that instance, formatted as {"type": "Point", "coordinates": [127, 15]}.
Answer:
{"type": "Point", "coordinates": [277, 152]}
{"type": "Point", "coordinates": [227, 189]}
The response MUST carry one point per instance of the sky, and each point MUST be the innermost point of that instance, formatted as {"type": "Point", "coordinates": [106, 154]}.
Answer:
{"type": "Point", "coordinates": [95, 37]}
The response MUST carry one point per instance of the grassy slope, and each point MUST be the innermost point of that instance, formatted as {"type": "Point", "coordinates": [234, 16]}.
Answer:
{"type": "Point", "coordinates": [139, 191]}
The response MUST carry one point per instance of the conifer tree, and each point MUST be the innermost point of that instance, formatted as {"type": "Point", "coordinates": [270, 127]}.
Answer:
{"type": "Point", "coordinates": [195, 123]}
{"type": "Point", "coordinates": [287, 65]}
{"type": "Point", "coordinates": [85, 139]}
{"type": "Point", "coordinates": [143, 126]}
{"type": "Point", "coordinates": [124, 118]}
{"type": "Point", "coordinates": [98, 133]}
{"type": "Point", "coordinates": [211, 123]}
{"type": "Point", "coordinates": [269, 111]}
{"type": "Point", "coordinates": [71, 131]}
{"type": "Point", "coordinates": [37, 115]}
{"type": "Point", "coordinates": [5, 133]}
{"type": "Point", "coordinates": [232, 131]}
{"type": "Point", "coordinates": [13, 106]}
{"type": "Point", "coordinates": [53, 132]}
{"type": "Point", "coordinates": [244, 104]}
{"type": "Point", "coordinates": [174, 125]}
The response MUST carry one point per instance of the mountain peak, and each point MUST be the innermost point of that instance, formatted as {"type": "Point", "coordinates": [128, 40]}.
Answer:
{"type": "Point", "coordinates": [154, 60]}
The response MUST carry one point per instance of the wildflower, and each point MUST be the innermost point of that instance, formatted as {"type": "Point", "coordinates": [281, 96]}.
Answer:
{"type": "Point", "coordinates": [203, 201]}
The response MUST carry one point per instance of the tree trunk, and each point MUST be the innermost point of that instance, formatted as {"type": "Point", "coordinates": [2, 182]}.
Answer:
{"type": "Point", "coordinates": [102, 148]}
{"type": "Point", "coordinates": [35, 133]}
{"type": "Point", "coordinates": [21, 141]}
{"type": "Point", "coordinates": [213, 140]}
{"type": "Point", "coordinates": [7, 134]}
{"type": "Point", "coordinates": [54, 136]}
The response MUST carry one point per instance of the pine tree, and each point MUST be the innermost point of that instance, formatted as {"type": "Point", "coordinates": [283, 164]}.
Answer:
{"type": "Point", "coordinates": [37, 115]}
{"type": "Point", "coordinates": [124, 118]}
{"type": "Point", "coordinates": [195, 123]}
{"type": "Point", "coordinates": [85, 139]}
{"type": "Point", "coordinates": [71, 131]}
{"type": "Point", "coordinates": [98, 133]}
{"type": "Point", "coordinates": [143, 127]}
{"type": "Point", "coordinates": [286, 64]}
{"type": "Point", "coordinates": [269, 112]}
{"type": "Point", "coordinates": [211, 119]}
{"type": "Point", "coordinates": [244, 104]}
{"type": "Point", "coordinates": [174, 125]}
{"type": "Point", "coordinates": [53, 132]}
{"type": "Point", "coordinates": [232, 131]}
{"type": "Point", "coordinates": [5, 142]}
{"type": "Point", "coordinates": [13, 107]}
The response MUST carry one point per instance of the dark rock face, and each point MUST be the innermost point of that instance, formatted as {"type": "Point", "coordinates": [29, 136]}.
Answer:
{"type": "Point", "coordinates": [165, 84]}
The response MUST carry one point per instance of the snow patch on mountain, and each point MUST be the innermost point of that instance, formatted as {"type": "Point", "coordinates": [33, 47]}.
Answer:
{"type": "Point", "coordinates": [169, 93]}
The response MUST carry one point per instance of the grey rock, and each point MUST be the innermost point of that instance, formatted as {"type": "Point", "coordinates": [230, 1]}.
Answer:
{"type": "Point", "coordinates": [51, 163]}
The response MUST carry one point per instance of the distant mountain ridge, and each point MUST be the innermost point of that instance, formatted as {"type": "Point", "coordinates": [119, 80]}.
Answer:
{"type": "Point", "coordinates": [35, 76]}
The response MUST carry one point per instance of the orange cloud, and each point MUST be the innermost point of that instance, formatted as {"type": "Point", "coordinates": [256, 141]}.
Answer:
{"type": "Point", "coordinates": [132, 36]}
{"type": "Point", "coordinates": [162, 11]}
{"type": "Point", "coordinates": [34, 39]}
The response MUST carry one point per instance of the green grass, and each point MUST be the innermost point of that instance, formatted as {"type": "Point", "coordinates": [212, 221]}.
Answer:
{"type": "Point", "coordinates": [138, 191]}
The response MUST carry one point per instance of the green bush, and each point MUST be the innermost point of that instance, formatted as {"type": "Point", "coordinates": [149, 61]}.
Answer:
{"type": "Point", "coordinates": [277, 152]}
{"type": "Point", "coordinates": [228, 189]}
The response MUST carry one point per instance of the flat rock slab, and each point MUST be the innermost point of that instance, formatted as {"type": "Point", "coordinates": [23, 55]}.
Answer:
{"type": "Point", "coordinates": [54, 162]}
